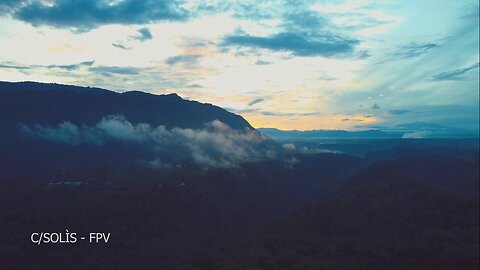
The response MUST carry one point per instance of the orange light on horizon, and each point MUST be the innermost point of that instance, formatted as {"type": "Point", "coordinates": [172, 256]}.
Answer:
{"type": "Point", "coordinates": [309, 122]}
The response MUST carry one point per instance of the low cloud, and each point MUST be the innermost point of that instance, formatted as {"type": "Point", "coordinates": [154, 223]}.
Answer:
{"type": "Point", "coordinates": [416, 135]}
{"type": "Point", "coordinates": [289, 147]}
{"type": "Point", "coordinates": [215, 145]}
{"type": "Point", "coordinates": [294, 149]}
{"type": "Point", "coordinates": [65, 132]}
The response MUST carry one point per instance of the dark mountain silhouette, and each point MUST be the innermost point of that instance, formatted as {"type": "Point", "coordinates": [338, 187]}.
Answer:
{"type": "Point", "coordinates": [53, 126]}
{"type": "Point", "coordinates": [41, 103]}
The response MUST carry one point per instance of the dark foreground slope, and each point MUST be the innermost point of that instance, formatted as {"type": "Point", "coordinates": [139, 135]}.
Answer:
{"type": "Point", "coordinates": [419, 212]}
{"type": "Point", "coordinates": [158, 219]}
{"type": "Point", "coordinates": [415, 213]}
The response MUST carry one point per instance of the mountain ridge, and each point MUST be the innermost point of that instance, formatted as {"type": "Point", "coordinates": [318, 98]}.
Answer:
{"type": "Point", "coordinates": [402, 131]}
{"type": "Point", "coordinates": [87, 105]}
{"type": "Point", "coordinates": [53, 126]}
{"type": "Point", "coordinates": [327, 133]}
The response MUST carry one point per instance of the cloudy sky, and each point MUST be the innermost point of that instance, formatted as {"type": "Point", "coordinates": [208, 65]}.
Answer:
{"type": "Point", "coordinates": [286, 64]}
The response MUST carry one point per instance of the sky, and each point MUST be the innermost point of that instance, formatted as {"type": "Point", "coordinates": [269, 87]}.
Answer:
{"type": "Point", "coordinates": [303, 65]}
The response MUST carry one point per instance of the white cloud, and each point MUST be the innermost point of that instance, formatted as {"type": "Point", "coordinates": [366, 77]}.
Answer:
{"type": "Point", "coordinates": [216, 145]}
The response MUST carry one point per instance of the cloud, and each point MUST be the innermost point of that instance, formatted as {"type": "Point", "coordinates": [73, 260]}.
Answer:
{"type": "Point", "coordinates": [454, 74]}
{"type": "Point", "coordinates": [121, 46]}
{"type": "Point", "coordinates": [65, 132]}
{"type": "Point", "coordinates": [7, 6]}
{"type": "Point", "coordinates": [215, 145]}
{"type": "Point", "coordinates": [10, 66]}
{"type": "Point", "coordinates": [261, 62]}
{"type": "Point", "coordinates": [351, 119]}
{"type": "Point", "coordinates": [73, 66]}
{"type": "Point", "coordinates": [70, 67]}
{"type": "Point", "coordinates": [289, 147]}
{"type": "Point", "coordinates": [295, 43]}
{"type": "Point", "coordinates": [412, 50]}
{"type": "Point", "coordinates": [302, 33]}
{"type": "Point", "coordinates": [293, 149]}
{"type": "Point", "coordinates": [107, 70]}
{"type": "Point", "coordinates": [270, 113]}
{"type": "Point", "coordinates": [188, 59]}
{"type": "Point", "coordinates": [143, 34]}
{"type": "Point", "coordinates": [242, 111]}
{"type": "Point", "coordinates": [195, 85]}
{"type": "Point", "coordinates": [255, 101]}
{"type": "Point", "coordinates": [83, 15]}
{"type": "Point", "coordinates": [416, 135]}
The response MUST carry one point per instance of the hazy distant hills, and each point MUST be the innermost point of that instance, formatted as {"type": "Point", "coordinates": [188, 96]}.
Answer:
{"type": "Point", "coordinates": [415, 130]}
{"type": "Point", "coordinates": [33, 103]}
{"type": "Point", "coordinates": [327, 134]}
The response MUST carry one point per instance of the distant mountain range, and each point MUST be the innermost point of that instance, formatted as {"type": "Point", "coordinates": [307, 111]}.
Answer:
{"type": "Point", "coordinates": [414, 130]}
{"type": "Point", "coordinates": [327, 134]}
